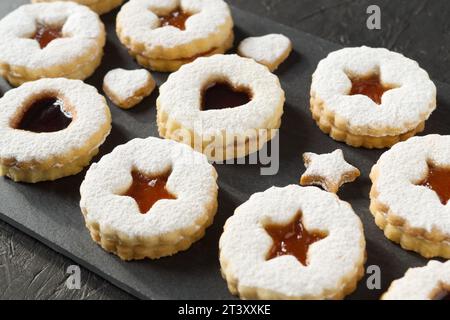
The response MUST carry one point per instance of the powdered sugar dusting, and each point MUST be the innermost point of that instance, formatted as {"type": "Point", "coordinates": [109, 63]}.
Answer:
{"type": "Point", "coordinates": [192, 181]}
{"type": "Point", "coordinates": [269, 50]}
{"type": "Point", "coordinates": [330, 168]}
{"type": "Point", "coordinates": [245, 243]}
{"type": "Point", "coordinates": [81, 31]}
{"type": "Point", "coordinates": [88, 108]}
{"type": "Point", "coordinates": [185, 107]}
{"type": "Point", "coordinates": [421, 283]}
{"type": "Point", "coordinates": [401, 169]}
{"type": "Point", "coordinates": [126, 83]}
{"type": "Point", "coordinates": [139, 20]}
{"type": "Point", "coordinates": [403, 108]}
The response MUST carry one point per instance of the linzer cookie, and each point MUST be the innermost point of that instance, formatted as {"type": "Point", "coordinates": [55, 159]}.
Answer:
{"type": "Point", "coordinates": [50, 128]}
{"type": "Point", "coordinates": [126, 88]}
{"type": "Point", "coordinates": [99, 6]}
{"type": "Point", "coordinates": [293, 243]}
{"type": "Point", "coordinates": [165, 34]}
{"type": "Point", "coordinates": [431, 282]}
{"type": "Point", "coordinates": [270, 50]}
{"type": "Point", "coordinates": [410, 194]}
{"type": "Point", "coordinates": [371, 98]}
{"type": "Point", "coordinates": [224, 106]}
{"type": "Point", "coordinates": [330, 171]}
{"type": "Point", "coordinates": [50, 40]}
{"type": "Point", "coordinates": [149, 198]}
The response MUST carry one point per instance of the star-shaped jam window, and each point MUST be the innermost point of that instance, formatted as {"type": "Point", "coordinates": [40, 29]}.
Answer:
{"type": "Point", "coordinates": [438, 180]}
{"type": "Point", "coordinates": [370, 86]}
{"type": "Point", "coordinates": [292, 239]}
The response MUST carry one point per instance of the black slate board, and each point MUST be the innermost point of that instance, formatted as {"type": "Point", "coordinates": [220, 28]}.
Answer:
{"type": "Point", "coordinates": [49, 211]}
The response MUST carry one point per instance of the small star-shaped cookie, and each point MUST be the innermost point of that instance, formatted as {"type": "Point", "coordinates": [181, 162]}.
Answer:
{"type": "Point", "coordinates": [330, 171]}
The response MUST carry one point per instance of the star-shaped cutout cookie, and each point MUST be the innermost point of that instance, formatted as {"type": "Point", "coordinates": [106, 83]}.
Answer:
{"type": "Point", "coordinates": [330, 171]}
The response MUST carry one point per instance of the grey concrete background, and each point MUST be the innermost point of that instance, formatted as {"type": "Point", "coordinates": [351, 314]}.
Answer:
{"type": "Point", "coordinates": [418, 28]}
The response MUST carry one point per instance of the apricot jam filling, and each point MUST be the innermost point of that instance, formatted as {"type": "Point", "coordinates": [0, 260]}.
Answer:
{"type": "Point", "coordinates": [176, 18]}
{"type": "Point", "coordinates": [438, 180]}
{"type": "Point", "coordinates": [147, 190]}
{"type": "Point", "coordinates": [369, 86]}
{"type": "Point", "coordinates": [46, 34]}
{"type": "Point", "coordinates": [292, 239]}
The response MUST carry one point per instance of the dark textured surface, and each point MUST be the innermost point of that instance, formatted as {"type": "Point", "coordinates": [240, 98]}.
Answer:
{"type": "Point", "coordinates": [419, 29]}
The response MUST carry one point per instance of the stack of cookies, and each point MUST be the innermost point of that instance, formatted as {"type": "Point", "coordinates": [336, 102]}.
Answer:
{"type": "Point", "coordinates": [175, 32]}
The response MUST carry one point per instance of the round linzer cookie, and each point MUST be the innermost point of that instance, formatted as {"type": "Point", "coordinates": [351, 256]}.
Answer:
{"type": "Point", "coordinates": [410, 195]}
{"type": "Point", "coordinates": [270, 50]}
{"type": "Point", "coordinates": [165, 34]}
{"type": "Point", "coordinates": [371, 98]}
{"type": "Point", "coordinates": [99, 6]}
{"type": "Point", "coordinates": [50, 40]}
{"type": "Point", "coordinates": [293, 243]}
{"type": "Point", "coordinates": [225, 106]}
{"type": "Point", "coordinates": [127, 88]}
{"type": "Point", "coordinates": [431, 282]}
{"type": "Point", "coordinates": [149, 198]}
{"type": "Point", "coordinates": [51, 128]}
